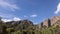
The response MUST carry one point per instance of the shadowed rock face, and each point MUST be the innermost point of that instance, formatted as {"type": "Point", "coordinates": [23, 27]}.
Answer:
{"type": "Point", "coordinates": [26, 22]}
{"type": "Point", "coordinates": [40, 26]}
{"type": "Point", "coordinates": [22, 24]}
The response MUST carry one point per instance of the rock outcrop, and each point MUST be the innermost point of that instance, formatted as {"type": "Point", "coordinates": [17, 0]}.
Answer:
{"type": "Point", "coordinates": [53, 21]}
{"type": "Point", "coordinates": [20, 22]}
{"type": "Point", "coordinates": [47, 23]}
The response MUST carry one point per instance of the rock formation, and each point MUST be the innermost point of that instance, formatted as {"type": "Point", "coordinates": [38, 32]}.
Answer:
{"type": "Point", "coordinates": [55, 20]}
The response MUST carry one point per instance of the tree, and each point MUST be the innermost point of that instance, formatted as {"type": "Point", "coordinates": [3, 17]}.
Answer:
{"type": "Point", "coordinates": [10, 30]}
{"type": "Point", "coordinates": [4, 30]}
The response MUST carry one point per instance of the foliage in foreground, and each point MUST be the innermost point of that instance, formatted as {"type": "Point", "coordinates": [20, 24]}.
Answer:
{"type": "Point", "coordinates": [26, 27]}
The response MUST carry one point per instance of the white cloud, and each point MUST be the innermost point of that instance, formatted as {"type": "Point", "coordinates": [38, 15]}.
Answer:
{"type": "Point", "coordinates": [5, 4]}
{"type": "Point", "coordinates": [6, 20]}
{"type": "Point", "coordinates": [58, 9]}
{"type": "Point", "coordinates": [16, 19]}
{"type": "Point", "coordinates": [34, 15]}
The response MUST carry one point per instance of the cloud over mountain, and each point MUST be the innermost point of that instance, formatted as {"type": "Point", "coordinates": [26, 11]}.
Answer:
{"type": "Point", "coordinates": [14, 19]}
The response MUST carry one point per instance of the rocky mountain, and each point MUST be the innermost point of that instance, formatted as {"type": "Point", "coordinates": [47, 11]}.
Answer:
{"type": "Point", "coordinates": [48, 26]}
{"type": "Point", "coordinates": [55, 20]}
{"type": "Point", "coordinates": [20, 22]}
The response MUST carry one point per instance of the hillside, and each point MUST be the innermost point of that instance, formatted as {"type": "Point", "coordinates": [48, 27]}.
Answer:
{"type": "Point", "coordinates": [49, 26]}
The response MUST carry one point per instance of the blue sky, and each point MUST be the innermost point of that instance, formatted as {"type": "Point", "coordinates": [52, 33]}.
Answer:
{"type": "Point", "coordinates": [33, 10]}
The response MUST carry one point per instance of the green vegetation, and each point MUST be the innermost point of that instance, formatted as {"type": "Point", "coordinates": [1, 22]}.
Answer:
{"type": "Point", "coordinates": [26, 27]}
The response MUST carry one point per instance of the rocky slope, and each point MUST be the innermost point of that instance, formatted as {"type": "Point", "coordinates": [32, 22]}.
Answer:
{"type": "Point", "coordinates": [55, 20]}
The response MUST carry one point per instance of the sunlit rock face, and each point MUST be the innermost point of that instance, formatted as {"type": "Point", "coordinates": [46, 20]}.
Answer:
{"type": "Point", "coordinates": [47, 23]}
{"type": "Point", "coordinates": [55, 19]}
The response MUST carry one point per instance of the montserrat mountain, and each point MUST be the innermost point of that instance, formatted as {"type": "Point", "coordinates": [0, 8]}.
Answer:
{"type": "Point", "coordinates": [53, 21]}
{"type": "Point", "coordinates": [48, 26]}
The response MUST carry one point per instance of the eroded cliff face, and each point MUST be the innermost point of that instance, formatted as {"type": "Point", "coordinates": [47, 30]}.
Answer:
{"type": "Point", "coordinates": [55, 20]}
{"type": "Point", "coordinates": [47, 23]}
